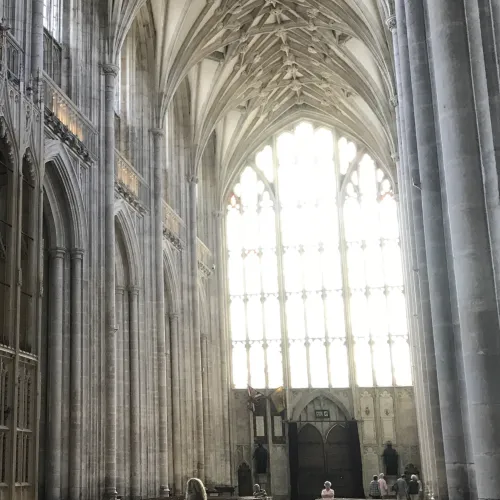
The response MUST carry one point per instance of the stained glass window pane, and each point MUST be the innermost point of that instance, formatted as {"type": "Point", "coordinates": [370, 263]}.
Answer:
{"type": "Point", "coordinates": [258, 371]}
{"type": "Point", "coordinates": [298, 364]}
{"type": "Point", "coordinates": [240, 379]}
{"type": "Point", "coordinates": [335, 322]}
{"type": "Point", "coordinates": [295, 316]}
{"type": "Point", "coordinates": [382, 362]}
{"type": "Point", "coordinates": [339, 364]}
{"type": "Point", "coordinates": [269, 266]}
{"type": "Point", "coordinates": [312, 269]}
{"type": "Point", "coordinates": [238, 323]}
{"type": "Point", "coordinates": [235, 274]}
{"type": "Point", "coordinates": [274, 363]}
{"type": "Point", "coordinates": [363, 361]}
{"type": "Point", "coordinates": [338, 252]}
{"type": "Point", "coordinates": [317, 361]}
{"type": "Point", "coordinates": [272, 317]}
{"type": "Point", "coordinates": [254, 318]}
{"type": "Point", "coordinates": [292, 266]}
{"type": "Point", "coordinates": [401, 360]}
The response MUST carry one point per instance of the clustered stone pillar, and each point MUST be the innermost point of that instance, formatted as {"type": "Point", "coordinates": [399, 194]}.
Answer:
{"type": "Point", "coordinates": [135, 401]}
{"type": "Point", "coordinates": [176, 396]}
{"type": "Point", "coordinates": [110, 73]}
{"type": "Point", "coordinates": [449, 192]}
{"type": "Point", "coordinates": [158, 154]}
{"type": "Point", "coordinates": [75, 457]}
{"type": "Point", "coordinates": [55, 374]}
{"type": "Point", "coordinates": [195, 301]}
{"type": "Point", "coordinates": [433, 225]}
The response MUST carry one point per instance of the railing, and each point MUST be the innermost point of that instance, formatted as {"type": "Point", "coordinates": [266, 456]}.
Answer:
{"type": "Point", "coordinates": [173, 226]}
{"type": "Point", "coordinates": [52, 57]}
{"type": "Point", "coordinates": [11, 55]}
{"type": "Point", "coordinates": [130, 183]}
{"type": "Point", "coordinates": [58, 103]}
{"type": "Point", "coordinates": [205, 258]}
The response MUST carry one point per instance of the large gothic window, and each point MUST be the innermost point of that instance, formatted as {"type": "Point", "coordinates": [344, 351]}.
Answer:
{"type": "Point", "coordinates": [314, 267]}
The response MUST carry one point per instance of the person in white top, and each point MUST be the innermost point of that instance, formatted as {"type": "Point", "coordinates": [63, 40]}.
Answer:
{"type": "Point", "coordinates": [328, 493]}
{"type": "Point", "coordinates": [384, 490]}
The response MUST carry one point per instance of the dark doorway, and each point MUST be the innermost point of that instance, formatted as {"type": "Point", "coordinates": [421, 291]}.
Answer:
{"type": "Point", "coordinates": [245, 487]}
{"type": "Point", "coordinates": [338, 460]}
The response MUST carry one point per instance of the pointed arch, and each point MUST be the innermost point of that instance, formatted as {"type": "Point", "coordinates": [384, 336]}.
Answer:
{"type": "Point", "coordinates": [64, 195]}
{"type": "Point", "coordinates": [131, 244]}
{"type": "Point", "coordinates": [309, 396]}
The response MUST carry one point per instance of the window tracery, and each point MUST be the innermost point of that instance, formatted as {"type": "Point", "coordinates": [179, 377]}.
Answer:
{"type": "Point", "coordinates": [314, 267]}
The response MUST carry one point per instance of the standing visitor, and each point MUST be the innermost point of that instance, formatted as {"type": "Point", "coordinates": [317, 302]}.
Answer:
{"type": "Point", "coordinates": [384, 490]}
{"type": "Point", "coordinates": [374, 490]}
{"type": "Point", "coordinates": [401, 488]}
{"type": "Point", "coordinates": [413, 488]}
{"type": "Point", "coordinates": [328, 493]}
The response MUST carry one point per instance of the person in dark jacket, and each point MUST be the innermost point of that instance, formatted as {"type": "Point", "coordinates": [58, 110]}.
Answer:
{"type": "Point", "coordinates": [413, 488]}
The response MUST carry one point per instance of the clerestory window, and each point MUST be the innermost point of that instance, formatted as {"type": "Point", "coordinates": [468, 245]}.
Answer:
{"type": "Point", "coordinates": [314, 269]}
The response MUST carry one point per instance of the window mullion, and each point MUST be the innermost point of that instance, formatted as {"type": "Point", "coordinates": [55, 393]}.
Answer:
{"type": "Point", "coordinates": [281, 283]}
{"type": "Point", "coordinates": [343, 257]}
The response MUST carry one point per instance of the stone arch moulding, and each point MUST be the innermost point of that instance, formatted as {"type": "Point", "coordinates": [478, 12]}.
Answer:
{"type": "Point", "coordinates": [131, 243]}
{"type": "Point", "coordinates": [8, 137]}
{"type": "Point", "coordinates": [171, 279]}
{"type": "Point", "coordinates": [59, 175]}
{"type": "Point", "coordinates": [309, 396]}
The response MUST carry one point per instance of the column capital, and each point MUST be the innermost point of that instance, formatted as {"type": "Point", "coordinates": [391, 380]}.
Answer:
{"type": "Point", "coordinates": [394, 100]}
{"type": "Point", "coordinates": [57, 252]}
{"type": "Point", "coordinates": [77, 253]}
{"type": "Point", "coordinates": [133, 290]}
{"type": "Point", "coordinates": [192, 179]}
{"type": "Point", "coordinates": [119, 290]}
{"type": "Point", "coordinates": [391, 23]}
{"type": "Point", "coordinates": [219, 214]}
{"type": "Point", "coordinates": [110, 69]}
{"type": "Point", "coordinates": [395, 156]}
{"type": "Point", "coordinates": [173, 316]}
{"type": "Point", "coordinates": [157, 132]}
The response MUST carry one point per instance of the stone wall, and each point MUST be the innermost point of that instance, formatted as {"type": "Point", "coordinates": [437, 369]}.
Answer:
{"type": "Point", "coordinates": [383, 414]}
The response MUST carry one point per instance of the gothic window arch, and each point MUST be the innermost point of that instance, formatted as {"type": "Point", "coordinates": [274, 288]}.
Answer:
{"type": "Point", "coordinates": [314, 267]}
{"type": "Point", "coordinates": [6, 176]}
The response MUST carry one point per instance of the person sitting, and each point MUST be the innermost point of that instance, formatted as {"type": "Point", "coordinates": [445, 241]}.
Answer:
{"type": "Point", "coordinates": [258, 492]}
{"type": "Point", "coordinates": [328, 493]}
{"type": "Point", "coordinates": [374, 490]}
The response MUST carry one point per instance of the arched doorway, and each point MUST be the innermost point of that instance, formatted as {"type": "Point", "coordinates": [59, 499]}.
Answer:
{"type": "Point", "coordinates": [324, 446]}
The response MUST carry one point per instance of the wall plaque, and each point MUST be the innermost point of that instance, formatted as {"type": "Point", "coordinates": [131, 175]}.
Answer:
{"type": "Point", "coordinates": [322, 414]}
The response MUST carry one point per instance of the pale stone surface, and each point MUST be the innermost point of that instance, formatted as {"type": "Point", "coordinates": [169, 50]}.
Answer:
{"type": "Point", "coordinates": [116, 365]}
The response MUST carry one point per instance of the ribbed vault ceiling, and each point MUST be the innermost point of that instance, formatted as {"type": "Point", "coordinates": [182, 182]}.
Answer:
{"type": "Point", "coordinates": [247, 67]}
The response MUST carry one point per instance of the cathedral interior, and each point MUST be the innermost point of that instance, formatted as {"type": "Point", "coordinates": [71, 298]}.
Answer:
{"type": "Point", "coordinates": [249, 241]}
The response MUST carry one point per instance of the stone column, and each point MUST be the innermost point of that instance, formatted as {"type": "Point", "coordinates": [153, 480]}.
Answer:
{"type": "Point", "coordinates": [135, 402]}
{"type": "Point", "coordinates": [37, 37]}
{"type": "Point", "coordinates": [469, 235]}
{"type": "Point", "coordinates": [75, 448]}
{"type": "Point", "coordinates": [432, 206]}
{"type": "Point", "coordinates": [159, 157]}
{"type": "Point", "coordinates": [224, 341]}
{"type": "Point", "coordinates": [110, 73]}
{"type": "Point", "coordinates": [417, 277]}
{"type": "Point", "coordinates": [176, 398]}
{"type": "Point", "coordinates": [195, 300]}
{"type": "Point", "coordinates": [120, 318]}
{"type": "Point", "coordinates": [55, 374]}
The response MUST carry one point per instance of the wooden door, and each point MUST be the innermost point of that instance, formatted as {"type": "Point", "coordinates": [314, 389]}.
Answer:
{"type": "Point", "coordinates": [311, 462]}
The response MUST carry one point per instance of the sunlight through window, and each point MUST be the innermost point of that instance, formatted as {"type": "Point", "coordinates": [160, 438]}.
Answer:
{"type": "Point", "coordinates": [314, 267]}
